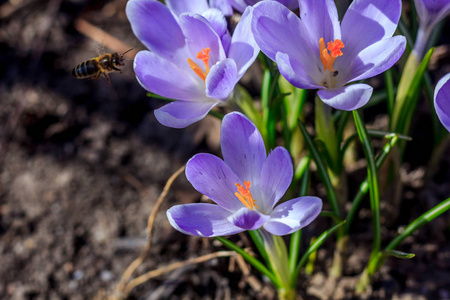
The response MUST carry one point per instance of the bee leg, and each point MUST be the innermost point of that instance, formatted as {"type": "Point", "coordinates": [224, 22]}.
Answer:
{"type": "Point", "coordinates": [107, 78]}
{"type": "Point", "coordinates": [97, 76]}
{"type": "Point", "coordinates": [117, 69]}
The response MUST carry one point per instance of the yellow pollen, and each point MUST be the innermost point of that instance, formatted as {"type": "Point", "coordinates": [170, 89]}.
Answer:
{"type": "Point", "coordinates": [335, 51]}
{"type": "Point", "coordinates": [203, 56]}
{"type": "Point", "coordinates": [244, 195]}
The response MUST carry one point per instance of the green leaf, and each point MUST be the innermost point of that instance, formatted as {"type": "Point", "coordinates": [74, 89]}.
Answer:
{"type": "Point", "coordinates": [294, 249]}
{"type": "Point", "coordinates": [216, 114]}
{"type": "Point", "coordinates": [388, 134]}
{"type": "Point", "coordinates": [419, 222]}
{"type": "Point", "coordinates": [292, 109]}
{"type": "Point", "coordinates": [389, 82]}
{"type": "Point", "coordinates": [322, 169]}
{"type": "Point", "coordinates": [301, 167]}
{"type": "Point", "coordinates": [399, 254]}
{"type": "Point", "coordinates": [243, 99]}
{"type": "Point", "coordinates": [342, 122]}
{"type": "Point", "coordinates": [430, 215]}
{"type": "Point", "coordinates": [259, 242]}
{"type": "Point", "coordinates": [329, 214]}
{"type": "Point", "coordinates": [408, 94]}
{"type": "Point", "coordinates": [156, 96]}
{"type": "Point", "coordinates": [372, 181]}
{"type": "Point", "coordinates": [364, 187]}
{"type": "Point", "coordinates": [309, 268]}
{"type": "Point", "coordinates": [314, 246]}
{"type": "Point", "coordinates": [268, 113]}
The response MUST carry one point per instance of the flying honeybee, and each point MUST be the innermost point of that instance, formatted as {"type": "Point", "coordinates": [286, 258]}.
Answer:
{"type": "Point", "coordinates": [100, 66]}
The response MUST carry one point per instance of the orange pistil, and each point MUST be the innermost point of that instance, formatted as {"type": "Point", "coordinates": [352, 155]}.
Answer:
{"type": "Point", "coordinates": [203, 56]}
{"type": "Point", "coordinates": [244, 195]}
{"type": "Point", "coordinates": [329, 58]}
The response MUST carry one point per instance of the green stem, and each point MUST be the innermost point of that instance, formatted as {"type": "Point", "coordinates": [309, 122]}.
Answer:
{"type": "Point", "coordinates": [294, 250]}
{"type": "Point", "coordinates": [326, 132]}
{"type": "Point", "coordinates": [373, 183]}
{"type": "Point", "coordinates": [259, 243]}
{"type": "Point", "coordinates": [276, 250]}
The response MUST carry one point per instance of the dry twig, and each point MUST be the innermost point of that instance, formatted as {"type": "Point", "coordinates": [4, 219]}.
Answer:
{"type": "Point", "coordinates": [154, 273]}
{"type": "Point", "coordinates": [121, 286]}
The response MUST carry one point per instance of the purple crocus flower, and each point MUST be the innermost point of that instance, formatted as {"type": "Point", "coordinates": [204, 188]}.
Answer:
{"type": "Point", "coordinates": [192, 59]}
{"type": "Point", "coordinates": [310, 53]}
{"type": "Point", "coordinates": [241, 5]}
{"type": "Point", "coordinates": [198, 6]}
{"type": "Point", "coordinates": [430, 13]}
{"type": "Point", "coordinates": [442, 100]}
{"type": "Point", "coordinates": [246, 185]}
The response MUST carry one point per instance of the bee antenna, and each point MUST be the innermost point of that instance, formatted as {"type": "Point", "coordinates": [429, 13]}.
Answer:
{"type": "Point", "coordinates": [126, 52]}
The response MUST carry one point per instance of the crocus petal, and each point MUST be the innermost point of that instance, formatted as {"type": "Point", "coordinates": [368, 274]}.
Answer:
{"type": "Point", "coordinates": [201, 219]}
{"type": "Point", "coordinates": [248, 219]}
{"type": "Point", "coordinates": [200, 35]}
{"type": "Point", "coordinates": [223, 5]}
{"type": "Point", "coordinates": [276, 176]}
{"type": "Point", "coordinates": [221, 79]}
{"type": "Point", "coordinates": [277, 29]}
{"type": "Point", "coordinates": [194, 6]}
{"type": "Point", "coordinates": [367, 22]}
{"type": "Point", "coordinates": [243, 48]}
{"type": "Point", "coordinates": [180, 114]}
{"type": "Point", "coordinates": [295, 72]}
{"type": "Point", "coordinates": [152, 23]}
{"type": "Point", "coordinates": [218, 22]}
{"type": "Point", "coordinates": [209, 175]}
{"type": "Point", "coordinates": [165, 78]}
{"type": "Point", "coordinates": [242, 147]}
{"type": "Point", "coordinates": [293, 4]}
{"type": "Point", "coordinates": [349, 97]}
{"type": "Point", "coordinates": [293, 215]}
{"type": "Point", "coordinates": [432, 11]}
{"type": "Point", "coordinates": [320, 17]}
{"type": "Point", "coordinates": [239, 5]}
{"type": "Point", "coordinates": [377, 58]}
{"type": "Point", "coordinates": [442, 100]}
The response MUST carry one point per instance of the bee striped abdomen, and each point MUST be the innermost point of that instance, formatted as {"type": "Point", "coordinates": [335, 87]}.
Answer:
{"type": "Point", "coordinates": [85, 69]}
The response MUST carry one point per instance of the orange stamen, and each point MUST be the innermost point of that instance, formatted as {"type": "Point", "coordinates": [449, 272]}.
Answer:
{"type": "Point", "coordinates": [335, 50]}
{"type": "Point", "coordinates": [200, 73]}
{"type": "Point", "coordinates": [203, 56]}
{"type": "Point", "coordinates": [244, 195]}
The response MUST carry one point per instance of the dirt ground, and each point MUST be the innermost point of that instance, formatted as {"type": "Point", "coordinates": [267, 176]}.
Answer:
{"type": "Point", "coordinates": [82, 164]}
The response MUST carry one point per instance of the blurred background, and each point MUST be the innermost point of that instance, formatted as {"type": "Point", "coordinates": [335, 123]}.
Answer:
{"type": "Point", "coordinates": [83, 162]}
